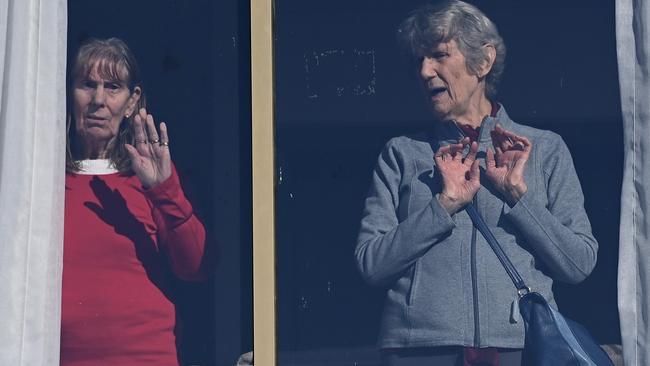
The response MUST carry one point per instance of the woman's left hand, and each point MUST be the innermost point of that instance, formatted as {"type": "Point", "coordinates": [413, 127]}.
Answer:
{"type": "Point", "coordinates": [505, 167]}
{"type": "Point", "coordinates": [150, 159]}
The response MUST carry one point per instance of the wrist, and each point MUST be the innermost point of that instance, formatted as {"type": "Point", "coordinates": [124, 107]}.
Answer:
{"type": "Point", "coordinates": [514, 194]}
{"type": "Point", "coordinates": [450, 204]}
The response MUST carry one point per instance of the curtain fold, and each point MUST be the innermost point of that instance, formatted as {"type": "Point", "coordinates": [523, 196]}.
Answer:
{"type": "Point", "coordinates": [632, 37]}
{"type": "Point", "coordinates": [32, 173]}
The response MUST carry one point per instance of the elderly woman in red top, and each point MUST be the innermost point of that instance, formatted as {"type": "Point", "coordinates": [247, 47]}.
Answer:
{"type": "Point", "coordinates": [128, 225]}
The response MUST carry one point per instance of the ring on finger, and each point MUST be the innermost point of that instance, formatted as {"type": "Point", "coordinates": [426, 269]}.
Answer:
{"type": "Point", "coordinates": [164, 143]}
{"type": "Point", "coordinates": [155, 141]}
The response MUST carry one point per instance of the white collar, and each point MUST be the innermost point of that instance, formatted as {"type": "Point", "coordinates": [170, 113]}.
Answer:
{"type": "Point", "coordinates": [96, 167]}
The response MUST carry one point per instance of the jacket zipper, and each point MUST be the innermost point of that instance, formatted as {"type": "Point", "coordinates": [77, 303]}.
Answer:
{"type": "Point", "coordinates": [477, 324]}
{"type": "Point", "coordinates": [474, 269]}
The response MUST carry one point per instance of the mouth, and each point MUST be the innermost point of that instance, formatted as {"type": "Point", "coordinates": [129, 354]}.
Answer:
{"type": "Point", "coordinates": [437, 91]}
{"type": "Point", "coordinates": [95, 119]}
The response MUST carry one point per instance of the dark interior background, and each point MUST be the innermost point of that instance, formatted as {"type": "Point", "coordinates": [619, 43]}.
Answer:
{"type": "Point", "coordinates": [195, 60]}
{"type": "Point", "coordinates": [343, 88]}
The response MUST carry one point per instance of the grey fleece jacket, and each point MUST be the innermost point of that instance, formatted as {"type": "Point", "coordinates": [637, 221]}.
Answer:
{"type": "Point", "coordinates": [445, 285]}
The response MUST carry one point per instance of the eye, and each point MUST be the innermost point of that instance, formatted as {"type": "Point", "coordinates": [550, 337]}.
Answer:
{"type": "Point", "coordinates": [440, 55]}
{"type": "Point", "coordinates": [88, 84]}
{"type": "Point", "coordinates": [113, 86]}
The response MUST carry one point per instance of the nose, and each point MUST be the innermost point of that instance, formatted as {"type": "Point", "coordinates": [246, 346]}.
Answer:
{"type": "Point", "coordinates": [99, 95]}
{"type": "Point", "coordinates": [428, 68]}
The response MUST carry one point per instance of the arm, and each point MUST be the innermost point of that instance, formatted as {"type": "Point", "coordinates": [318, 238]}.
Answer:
{"type": "Point", "coordinates": [180, 233]}
{"type": "Point", "coordinates": [387, 247]}
{"type": "Point", "coordinates": [559, 233]}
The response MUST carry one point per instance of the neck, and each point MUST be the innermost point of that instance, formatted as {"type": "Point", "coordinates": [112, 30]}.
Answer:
{"type": "Point", "coordinates": [476, 112]}
{"type": "Point", "coordinates": [94, 149]}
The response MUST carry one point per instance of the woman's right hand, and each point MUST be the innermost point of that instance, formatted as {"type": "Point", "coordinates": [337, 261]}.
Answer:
{"type": "Point", "coordinates": [150, 158]}
{"type": "Point", "coordinates": [460, 177]}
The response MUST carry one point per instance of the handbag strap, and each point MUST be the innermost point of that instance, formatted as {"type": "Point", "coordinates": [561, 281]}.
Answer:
{"type": "Point", "coordinates": [480, 224]}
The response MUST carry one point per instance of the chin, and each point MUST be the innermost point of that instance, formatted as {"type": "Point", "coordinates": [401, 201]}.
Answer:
{"type": "Point", "coordinates": [98, 134]}
{"type": "Point", "coordinates": [439, 115]}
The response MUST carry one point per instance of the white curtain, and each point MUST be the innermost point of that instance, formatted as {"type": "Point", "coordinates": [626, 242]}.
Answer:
{"type": "Point", "coordinates": [633, 44]}
{"type": "Point", "coordinates": [32, 168]}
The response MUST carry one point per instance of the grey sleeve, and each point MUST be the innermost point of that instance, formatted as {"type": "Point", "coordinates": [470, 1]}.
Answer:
{"type": "Point", "coordinates": [385, 246]}
{"type": "Point", "coordinates": [559, 233]}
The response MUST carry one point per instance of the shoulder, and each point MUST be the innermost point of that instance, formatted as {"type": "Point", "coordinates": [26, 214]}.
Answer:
{"type": "Point", "coordinates": [544, 140]}
{"type": "Point", "coordinates": [549, 148]}
{"type": "Point", "coordinates": [412, 145]}
{"type": "Point", "coordinates": [401, 153]}
{"type": "Point", "coordinates": [541, 139]}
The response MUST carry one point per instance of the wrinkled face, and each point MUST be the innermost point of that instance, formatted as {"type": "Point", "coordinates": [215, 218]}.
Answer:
{"type": "Point", "coordinates": [450, 87]}
{"type": "Point", "coordinates": [100, 103]}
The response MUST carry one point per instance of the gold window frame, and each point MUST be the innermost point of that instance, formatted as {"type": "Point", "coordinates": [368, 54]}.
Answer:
{"type": "Point", "coordinates": [262, 85]}
{"type": "Point", "coordinates": [263, 165]}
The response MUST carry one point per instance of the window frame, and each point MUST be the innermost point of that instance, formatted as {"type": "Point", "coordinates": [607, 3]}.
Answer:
{"type": "Point", "coordinates": [262, 85]}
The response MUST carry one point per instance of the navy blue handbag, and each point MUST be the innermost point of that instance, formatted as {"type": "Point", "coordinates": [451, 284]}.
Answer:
{"type": "Point", "coordinates": [551, 339]}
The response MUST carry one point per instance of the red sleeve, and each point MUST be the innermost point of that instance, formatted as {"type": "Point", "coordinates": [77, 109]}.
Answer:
{"type": "Point", "coordinates": [180, 233]}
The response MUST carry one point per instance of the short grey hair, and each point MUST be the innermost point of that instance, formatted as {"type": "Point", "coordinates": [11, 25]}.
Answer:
{"type": "Point", "coordinates": [432, 24]}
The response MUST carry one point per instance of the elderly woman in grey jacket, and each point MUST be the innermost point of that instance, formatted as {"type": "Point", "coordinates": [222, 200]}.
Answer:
{"type": "Point", "coordinates": [449, 301]}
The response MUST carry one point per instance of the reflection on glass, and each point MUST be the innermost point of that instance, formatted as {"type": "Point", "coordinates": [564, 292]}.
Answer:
{"type": "Point", "coordinates": [344, 88]}
{"type": "Point", "coordinates": [194, 59]}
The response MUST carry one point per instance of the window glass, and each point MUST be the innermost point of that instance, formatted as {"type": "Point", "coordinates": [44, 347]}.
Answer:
{"type": "Point", "coordinates": [344, 88]}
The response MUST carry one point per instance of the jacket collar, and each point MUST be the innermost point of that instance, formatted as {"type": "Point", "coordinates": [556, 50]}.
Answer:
{"type": "Point", "coordinates": [448, 131]}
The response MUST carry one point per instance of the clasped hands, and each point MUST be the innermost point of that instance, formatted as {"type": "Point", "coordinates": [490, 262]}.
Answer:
{"type": "Point", "coordinates": [504, 169]}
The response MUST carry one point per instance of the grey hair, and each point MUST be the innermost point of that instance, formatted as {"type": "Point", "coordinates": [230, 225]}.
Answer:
{"type": "Point", "coordinates": [432, 24]}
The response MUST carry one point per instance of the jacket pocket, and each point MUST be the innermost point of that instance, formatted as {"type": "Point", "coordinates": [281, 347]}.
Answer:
{"type": "Point", "coordinates": [414, 283]}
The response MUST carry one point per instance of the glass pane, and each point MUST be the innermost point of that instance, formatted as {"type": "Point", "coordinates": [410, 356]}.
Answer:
{"type": "Point", "coordinates": [195, 60]}
{"type": "Point", "coordinates": [344, 88]}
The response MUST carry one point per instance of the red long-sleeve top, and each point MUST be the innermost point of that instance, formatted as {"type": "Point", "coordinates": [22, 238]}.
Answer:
{"type": "Point", "coordinates": [121, 244]}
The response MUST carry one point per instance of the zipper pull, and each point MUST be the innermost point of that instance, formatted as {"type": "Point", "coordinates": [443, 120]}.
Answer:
{"type": "Point", "coordinates": [515, 315]}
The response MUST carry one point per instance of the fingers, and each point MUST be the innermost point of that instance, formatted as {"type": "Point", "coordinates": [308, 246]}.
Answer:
{"type": "Point", "coordinates": [515, 142]}
{"type": "Point", "coordinates": [471, 155]}
{"type": "Point", "coordinates": [446, 153]}
{"type": "Point", "coordinates": [525, 144]}
{"type": "Point", "coordinates": [163, 148]}
{"type": "Point", "coordinates": [164, 138]}
{"type": "Point", "coordinates": [474, 171]}
{"type": "Point", "coordinates": [145, 132]}
{"type": "Point", "coordinates": [457, 149]}
{"type": "Point", "coordinates": [138, 130]}
{"type": "Point", "coordinates": [520, 164]}
{"type": "Point", "coordinates": [490, 162]}
{"type": "Point", "coordinates": [507, 140]}
{"type": "Point", "coordinates": [132, 151]}
{"type": "Point", "coordinates": [442, 152]}
{"type": "Point", "coordinates": [453, 151]}
{"type": "Point", "coordinates": [151, 127]}
{"type": "Point", "coordinates": [501, 139]}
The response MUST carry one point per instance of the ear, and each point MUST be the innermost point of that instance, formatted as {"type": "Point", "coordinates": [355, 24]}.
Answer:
{"type": "Point", "coordinates": [490, 54]}
{"type": "Point", "coordinates": [133, 101]}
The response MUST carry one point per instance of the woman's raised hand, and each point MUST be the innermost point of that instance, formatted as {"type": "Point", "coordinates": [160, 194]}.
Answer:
{"type": "Point", "coordinates": [460, 176]}
{"type": "Point", "coordinates": [505, 165]}
{"type": "Point", "coordinates": [150, 159]}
